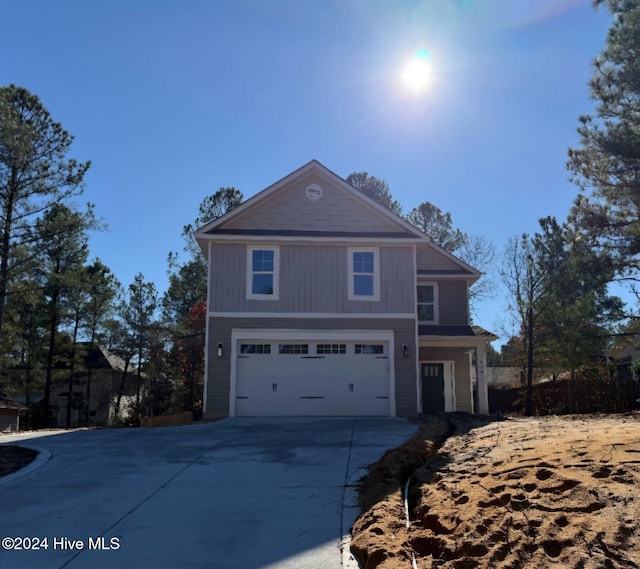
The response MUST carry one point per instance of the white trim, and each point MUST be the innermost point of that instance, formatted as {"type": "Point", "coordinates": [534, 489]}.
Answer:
{"type": "Point", "coordinates": [314, 192]}
{"type": "Point", "coordinates": [481, 380]}
{"type": "Point", "coordinates": [276, 334]}
{"type": "Point", "coordinates": [448, 367]}
{"type": "Point", "coordinates": [375, 297]}
{"type": "Point", "coordinates": [472, 371]}
{"type": "Point", "coordinates": [250, 295]}
{"type": "Point", "coordinates": [417, 344]}
{"type": "Point", "coordinates": [436, 302]}
{"type": "Point", "coordinates": [209, 271]}
{"type": "Point", "coordinates": [452, 372]}
{"type": "Point", "coordinates": [298, 315]}
{"type": "Point", "coordinates": [206, 333]}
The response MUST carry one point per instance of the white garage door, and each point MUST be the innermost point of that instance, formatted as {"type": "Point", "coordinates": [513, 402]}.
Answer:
{"type": "Point", "coordinates": [323, 377]}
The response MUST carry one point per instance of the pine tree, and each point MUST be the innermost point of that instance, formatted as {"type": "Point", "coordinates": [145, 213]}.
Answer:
{"type": "Point", "coordinates": [606, 164]}
{"type": "Point", "coordinates": [35, 175]}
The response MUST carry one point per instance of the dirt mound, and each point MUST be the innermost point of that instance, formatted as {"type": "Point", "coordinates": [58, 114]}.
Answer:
{"type": "Point", "coordinates": [549, 492]}
{"type": "Point", "coordinates": [379, 535]}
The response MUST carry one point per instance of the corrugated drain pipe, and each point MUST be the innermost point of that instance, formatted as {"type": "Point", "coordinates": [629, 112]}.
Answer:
{"type": "Point", "coordinates": [414, 563]}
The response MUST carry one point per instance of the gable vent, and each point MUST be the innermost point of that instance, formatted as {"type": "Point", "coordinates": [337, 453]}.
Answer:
{"type": "Point", "coordinates": [313, 192]}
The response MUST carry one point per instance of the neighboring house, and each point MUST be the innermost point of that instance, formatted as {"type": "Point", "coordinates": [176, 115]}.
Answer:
{"type": "Point", "coordinates": [102, 374]}
{"type": "Point", "coordinates": [623, 354]}
{"type": "Point", "coordinates": [10, 413]}
{"type": "Point", "coordinates": [323, 302]}
{"type": "Point", "coordinates": [504, 376]}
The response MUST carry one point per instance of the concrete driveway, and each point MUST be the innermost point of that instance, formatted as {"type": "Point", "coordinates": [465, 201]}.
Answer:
{"type": "Point", "coordinates": [240, 493]}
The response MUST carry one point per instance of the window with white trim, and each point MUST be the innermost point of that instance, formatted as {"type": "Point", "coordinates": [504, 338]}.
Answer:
{"type": "Point", "coordinates": [427, 296]}
{"type": "Point", "coordinates": [364, 273]}
{"type": "Point", "coordinates": [262, 272]}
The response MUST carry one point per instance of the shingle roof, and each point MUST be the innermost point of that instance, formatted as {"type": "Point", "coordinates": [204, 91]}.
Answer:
{"type": "Point", "coordinates": [465, 331]}
{"type": "Point", "coordinates": [7, 402]}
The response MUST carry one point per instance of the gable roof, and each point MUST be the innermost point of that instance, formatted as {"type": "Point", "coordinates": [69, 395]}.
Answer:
{"type": "Point", "coordinates": [7, 402]}
{"type": "Point", "coordinates": [387, 226]}
{"type": "Point", "coordinates": [281, 212]}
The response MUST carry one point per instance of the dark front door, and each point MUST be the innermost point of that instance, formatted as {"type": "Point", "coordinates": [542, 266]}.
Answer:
{"type": "Point", "coordinates": [432, 388]}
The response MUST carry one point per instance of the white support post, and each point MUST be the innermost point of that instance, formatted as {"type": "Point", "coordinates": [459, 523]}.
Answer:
{"type": "Point", "coordinates": [481, 377]}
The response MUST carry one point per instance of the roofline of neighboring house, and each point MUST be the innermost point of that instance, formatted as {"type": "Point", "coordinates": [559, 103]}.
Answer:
{"type": "Point", "coordinates": [7, 402]}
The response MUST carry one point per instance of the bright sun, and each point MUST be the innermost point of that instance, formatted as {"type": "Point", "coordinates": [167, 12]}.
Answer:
{"type": "Point", "coordinates": [416, 73]}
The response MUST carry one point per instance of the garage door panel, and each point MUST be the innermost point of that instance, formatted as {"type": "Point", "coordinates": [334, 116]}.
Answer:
{"type": "Point", "coordinates": [312, 378]}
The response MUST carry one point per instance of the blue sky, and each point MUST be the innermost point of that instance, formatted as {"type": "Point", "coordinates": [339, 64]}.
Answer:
{"type": "Point", "coordinates": [172, 99]}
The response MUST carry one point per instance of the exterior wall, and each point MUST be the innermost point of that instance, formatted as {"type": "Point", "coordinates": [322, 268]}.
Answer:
{"type": "Point", "coordinates": [105, 386]}
{"type": "Point", "coordinates": [8, 420]}
{"type": "Point", "coordinates": [462, 371]}
{"type": "Point", "coordinates": [290, 209]}
{"type": "Point", "coordinates": [313, 279]}
{"type": "Point", "coordinates": [219, 369]}
{"type": "Point", "coordinates": [429, 259]}
{"type": "Point", "coordinates": [453, 303]}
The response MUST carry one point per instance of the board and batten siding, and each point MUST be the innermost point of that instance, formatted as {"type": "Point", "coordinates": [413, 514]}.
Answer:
{"type": "Point", "coordinates": [219, 369]}
{"type": "Point", "coordinates": [453, 303]}
{"type": "Point", "coordinates": [313, 279]}
{"type": "Point", "coordinates": [462, 372]}
{"type": "Point", "coordinates": [290, 209]}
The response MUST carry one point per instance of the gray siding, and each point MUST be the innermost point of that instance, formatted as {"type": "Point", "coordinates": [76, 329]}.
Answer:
{"type": "Point", "coordinates": [429, 259]}
{"type": "Point", "coordinates": [452, 298]}
{"type": "Point", "coordinates": [219, 369]}
{"type": "Point", "coordinates": [313, 278]}
{"type": "Point", "coordinates": [461, 370]}
{"type": "Point", "coordinates": [289, 208]}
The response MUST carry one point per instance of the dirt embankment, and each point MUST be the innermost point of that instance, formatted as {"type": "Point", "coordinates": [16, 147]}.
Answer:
{"type": "Point", "coordinates": [545, 492]}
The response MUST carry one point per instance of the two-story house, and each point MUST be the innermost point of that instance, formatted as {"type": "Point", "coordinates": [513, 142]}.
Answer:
{"type": "Point", "coordinates": [322, 302]}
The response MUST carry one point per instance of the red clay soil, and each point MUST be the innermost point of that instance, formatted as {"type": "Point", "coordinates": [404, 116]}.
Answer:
{"type": "Point", "coordinates": [544, 492]}
{"type": "Point", "coordinates": [14, 458]}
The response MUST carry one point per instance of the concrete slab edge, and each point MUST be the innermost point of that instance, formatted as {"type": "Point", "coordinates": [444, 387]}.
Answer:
{"type": "Point", "coordinates": [350, 513]}
{"type": "Point", "coordinates": [43, 456]}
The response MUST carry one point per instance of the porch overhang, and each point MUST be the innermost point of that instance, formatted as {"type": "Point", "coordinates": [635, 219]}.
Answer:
{"type": "Point", "coordinates": [471, 339]}
{"type": "Point", "coordinates": [454, 336]}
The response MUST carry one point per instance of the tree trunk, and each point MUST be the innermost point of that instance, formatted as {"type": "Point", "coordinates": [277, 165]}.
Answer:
{"type": "Point", "coordinates": [5, 251]}
{"type": "Point", "coordinates": [52, 344]}
{"type": "Point", "coordinates": [71, 371]}
{"type": "Point", "coordinates": [88, 396]}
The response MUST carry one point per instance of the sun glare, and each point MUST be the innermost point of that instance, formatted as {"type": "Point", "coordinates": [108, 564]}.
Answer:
{"type": "Point", "coordinates": [416, 73]}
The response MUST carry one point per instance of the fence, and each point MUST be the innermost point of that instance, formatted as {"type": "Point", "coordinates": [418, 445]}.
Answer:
{"type": "Point", "coordinates": [592, 394]}
{"type": "Point", "coordinates": [167, 420]}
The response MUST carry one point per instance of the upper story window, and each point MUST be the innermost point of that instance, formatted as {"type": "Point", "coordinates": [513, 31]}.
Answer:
{"type": "Point", "coordinates": [364, 274]}
{"type": "Point", "coordinates": [262, 272]}
{"type": "Point", "coordinates": [427, 295]}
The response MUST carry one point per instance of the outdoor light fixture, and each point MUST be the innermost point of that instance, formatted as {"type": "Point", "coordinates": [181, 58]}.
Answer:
{"type": "Point", "coordinates": [405, 350]}
{"type": "Point", "coordinates": [219, 350]}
